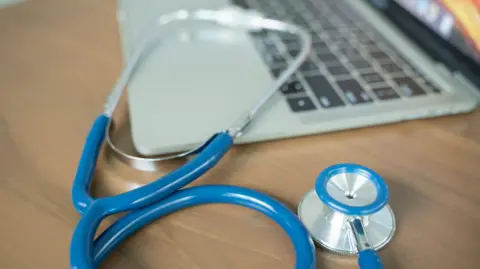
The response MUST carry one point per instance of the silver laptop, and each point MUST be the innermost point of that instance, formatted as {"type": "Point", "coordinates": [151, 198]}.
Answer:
{"type": "Point", "coordinates": [368, 67]}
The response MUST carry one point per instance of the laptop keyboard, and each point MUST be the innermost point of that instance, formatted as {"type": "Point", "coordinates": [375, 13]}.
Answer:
{"type": "Point", "coordinates": [350, 63]}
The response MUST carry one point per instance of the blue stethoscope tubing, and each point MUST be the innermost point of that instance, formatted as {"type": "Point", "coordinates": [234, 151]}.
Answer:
{"type": "Point", "coordinates": [162, 197]}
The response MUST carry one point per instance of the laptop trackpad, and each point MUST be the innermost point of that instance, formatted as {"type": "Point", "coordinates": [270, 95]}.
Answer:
{"type": "Point", "coordinates": [192, 85]}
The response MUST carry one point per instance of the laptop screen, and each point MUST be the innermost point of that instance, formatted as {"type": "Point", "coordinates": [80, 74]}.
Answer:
{"type": "Point", "coordinates": [457, 21]}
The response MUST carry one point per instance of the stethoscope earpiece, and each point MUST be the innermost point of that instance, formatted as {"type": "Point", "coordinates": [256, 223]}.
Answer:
{"type": "Point", "coordinates": [347, 212]}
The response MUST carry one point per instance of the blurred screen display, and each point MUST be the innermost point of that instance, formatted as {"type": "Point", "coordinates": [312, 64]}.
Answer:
{"type": "Point", "coordinates": [457, 21]}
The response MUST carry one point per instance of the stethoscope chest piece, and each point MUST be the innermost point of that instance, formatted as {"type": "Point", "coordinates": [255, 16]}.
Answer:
{"type": "Point", "coordinates": [347, 211]}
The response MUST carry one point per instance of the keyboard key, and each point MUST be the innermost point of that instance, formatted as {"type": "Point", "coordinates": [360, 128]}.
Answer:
{"type": "Point", "coordinates": [335, 36]}
{"type": "Point", "coordinates": [379, 55]}
{"type": "Point", "coordinates": [360, 64]}
{"type": "Point", "coordinates": [355, 31]}
{"type": "Point", "coordinates": [293, 51]}
{"type": "Point", "coordinates": [337, 70]}
{"type": "Point", "coordinates": [263, 40]}
{"type": "Point", "coordinates": [267, 41]}
{"type": "Point", "coordinates": [409, 87]}
{"type": "Point", "coordinates": [293, 86]}
{"type": "Point", "coordinates": [354, 92]}
{"type": "Point", "coordinates": [309, 5]}
{"type": "Point", "coordinates": [386, 93]}
{"type": "Point", "coordinates": [367, 42]}
{"type": "Point", "coordinates": [319, 45]}
{"type": "Point", "coordinates": [291, 44]}
{"type": "Point", "coordinates": [272, 51]}
{"type": "Point", "coordinates": [301, 104]}
{"type": "Point", "coordinates": [276, 71]}
{"type": "Point", "coordinates": [391, 68]}
{"type": "Point", "coordinates": [328, 26]}
{"type": "Point", "coordinates": [259, 43]}
{"type": "Point", "coordinates": [334, 19]}
{"type": "Point", "coordinates": [360, 37]}
{"type": "Point", "coordinates": [321, 19]}
{"type": "Point", "coordinates": [372, 77]}
{"type": "Point", "coordinates": [300, 21]}
{"type": "Point", "coordinates": [340, 43]}
{"type": "Point", "coordinates": [351, 24]}
{"type": "Point", "coordinates": [309, 66]}
{"type": "Point", "coordinates": [287, 37]}
{"type": "Point", "coordinates": [316, 38]}
{"type": "Point", "coordinates": [316, 25]}
{"type": "Point", "coordinates": [345, 46]}
{"type": "Point", "coordinates": [327, 56]}
{"type": "Point", "coordinates": [312, 31]}
{"type": "Point", "coordinates": [370, 47]}
{"type": "Point", "coordinates": [324, 91]}
{"type": "Point", "coordinates": [310, 18]}
{"type": "Point", "coordinates": [275, 60]}
{"type": "Point", "coordinates": [350, 52]}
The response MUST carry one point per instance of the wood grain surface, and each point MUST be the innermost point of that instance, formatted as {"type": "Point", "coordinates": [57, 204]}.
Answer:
{"type": "Point", "coordinates": [58, 60]}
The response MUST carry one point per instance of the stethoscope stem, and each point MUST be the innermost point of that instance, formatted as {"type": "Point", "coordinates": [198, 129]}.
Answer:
{"type": "Point", "coordinates": [359, 236]}
{"type": "Point", "coordinates": [367, 256]}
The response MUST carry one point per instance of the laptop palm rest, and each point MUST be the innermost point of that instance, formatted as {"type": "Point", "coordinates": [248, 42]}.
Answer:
{"type": "Point", "coordinates": [193, 84]}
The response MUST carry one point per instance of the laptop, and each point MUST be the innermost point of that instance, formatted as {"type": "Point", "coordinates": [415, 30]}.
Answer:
{"type": "Point", "coordinates": [373, 62]}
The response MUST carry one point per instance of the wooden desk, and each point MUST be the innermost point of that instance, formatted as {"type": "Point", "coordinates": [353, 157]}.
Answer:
{"type": "Point", "coordinates": [59, 60]}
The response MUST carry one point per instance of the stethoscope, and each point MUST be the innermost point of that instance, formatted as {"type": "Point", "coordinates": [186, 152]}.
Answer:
{"type": "Point", "coordinates": [347, 213]}
{"type": "Point", "coordinates": [167, 194]}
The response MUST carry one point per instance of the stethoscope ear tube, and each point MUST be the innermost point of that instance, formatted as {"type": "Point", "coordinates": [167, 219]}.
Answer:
{"type": "Point", "coordinates": [201, 195]}
{"type": "Point", "coordinates": [163, 197]}
{"type": "Point", "coordinates": [95, 210]}
{"type": "Point", "coordinates": [88, 162]}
